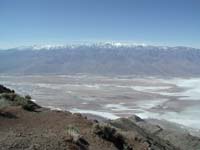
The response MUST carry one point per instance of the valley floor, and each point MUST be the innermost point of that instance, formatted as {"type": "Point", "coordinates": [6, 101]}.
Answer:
{"type": "Point", "coordinates": [172, 99]}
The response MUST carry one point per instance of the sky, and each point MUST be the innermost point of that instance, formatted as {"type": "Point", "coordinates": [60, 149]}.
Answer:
{"type": "Point", "coordinates": [153, 22]}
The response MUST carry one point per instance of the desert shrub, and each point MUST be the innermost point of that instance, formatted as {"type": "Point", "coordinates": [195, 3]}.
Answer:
{"type": "Point", "coordinates": [30, 106]}
{"type": "Point", "coordinates": [5, 100]}
{"type": "Point", "coordinates": [111, 134]}
{"type": "Point", "coordinates": [8, 96]}
{"type": "Point", "coordinates": [104, 131]}
{"type": "Point", "coordinates": [19, 100]}
{"type": "Point", "coordinates": [13, 99]}
{"type": "Point", "coordinates": [4, 103]}
{"type": "Point", "coordinates": [73, 131]}
{"type": "Point", "coordinates": [28, 97]}
{"type": "Point", "coordinates": [75, 137]}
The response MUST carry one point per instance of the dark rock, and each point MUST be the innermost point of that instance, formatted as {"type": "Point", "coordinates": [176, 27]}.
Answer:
{"type": "Point", "coordinates": [4, 89]}
{"type": "Point", "coordinates": [7, 115]}
{"type": "Point", "coordinates": [136, 118]}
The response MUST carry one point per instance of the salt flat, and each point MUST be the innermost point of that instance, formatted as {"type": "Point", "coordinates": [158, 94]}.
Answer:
{"type": "Point", "coordinates": [173, 99]}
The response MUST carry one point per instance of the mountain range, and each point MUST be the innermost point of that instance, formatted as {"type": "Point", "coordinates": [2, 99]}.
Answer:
{"type": "Point", "coordinates": [102, 59]}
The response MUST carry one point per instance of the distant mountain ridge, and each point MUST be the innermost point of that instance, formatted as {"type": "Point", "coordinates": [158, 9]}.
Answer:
{"type": "Point", "coordinates": [103, 59]}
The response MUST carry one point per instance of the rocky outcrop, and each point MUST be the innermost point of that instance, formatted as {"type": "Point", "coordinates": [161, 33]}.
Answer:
{"type": "Point", "coordinates": [159, 136]}
{"type": "Point", "coordinates": [4, 89]}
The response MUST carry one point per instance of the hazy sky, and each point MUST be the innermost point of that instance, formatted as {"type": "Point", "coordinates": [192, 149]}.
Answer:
{"type": "Point", "coordinates": [160, 22]}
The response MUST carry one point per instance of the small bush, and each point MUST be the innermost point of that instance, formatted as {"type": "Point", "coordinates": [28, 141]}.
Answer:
{"type": "Point", "coordinates": [76, 138]}
{"type": "Point", "coordinates": [8, 96]}
{"type": "Point", "coordinates": [28, 97]}
{"type": "Point", "coordinates": [109, 133]}
{"type": "Point", "coordinates": [16, 100]}
{"type": "Point", "coordinates": [4, 103]}
{"type": "Point", "coordinates": [73, 131]}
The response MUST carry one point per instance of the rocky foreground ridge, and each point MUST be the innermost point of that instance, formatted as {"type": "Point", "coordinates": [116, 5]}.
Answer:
{"type": "Point", "coordinates": [26, 125]}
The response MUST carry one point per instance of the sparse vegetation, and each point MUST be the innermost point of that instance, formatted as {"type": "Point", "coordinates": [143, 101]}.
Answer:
{"type": "Point", "coordinates": [107, 132]}
{"type": "Point", "coordinates": [13, 99]}
{"type": "Point", "coordinates": [73, 131]}
{"type": "Point", "coordinates": [75, 137]}
{"type": "Point", "coordinates": [28, 97]}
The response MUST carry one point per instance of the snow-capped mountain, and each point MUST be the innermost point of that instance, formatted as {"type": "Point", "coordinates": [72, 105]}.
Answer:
{"type": "Point", "coordinates": [100, 45]}
{"type": "Point", "coordinates": [102, 58]}
{"type": "Point", "coordinates": [107, 45]}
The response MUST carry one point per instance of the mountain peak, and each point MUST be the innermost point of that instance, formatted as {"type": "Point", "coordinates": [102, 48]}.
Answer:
{"type": "Point", "coordinates": [101, 45]}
